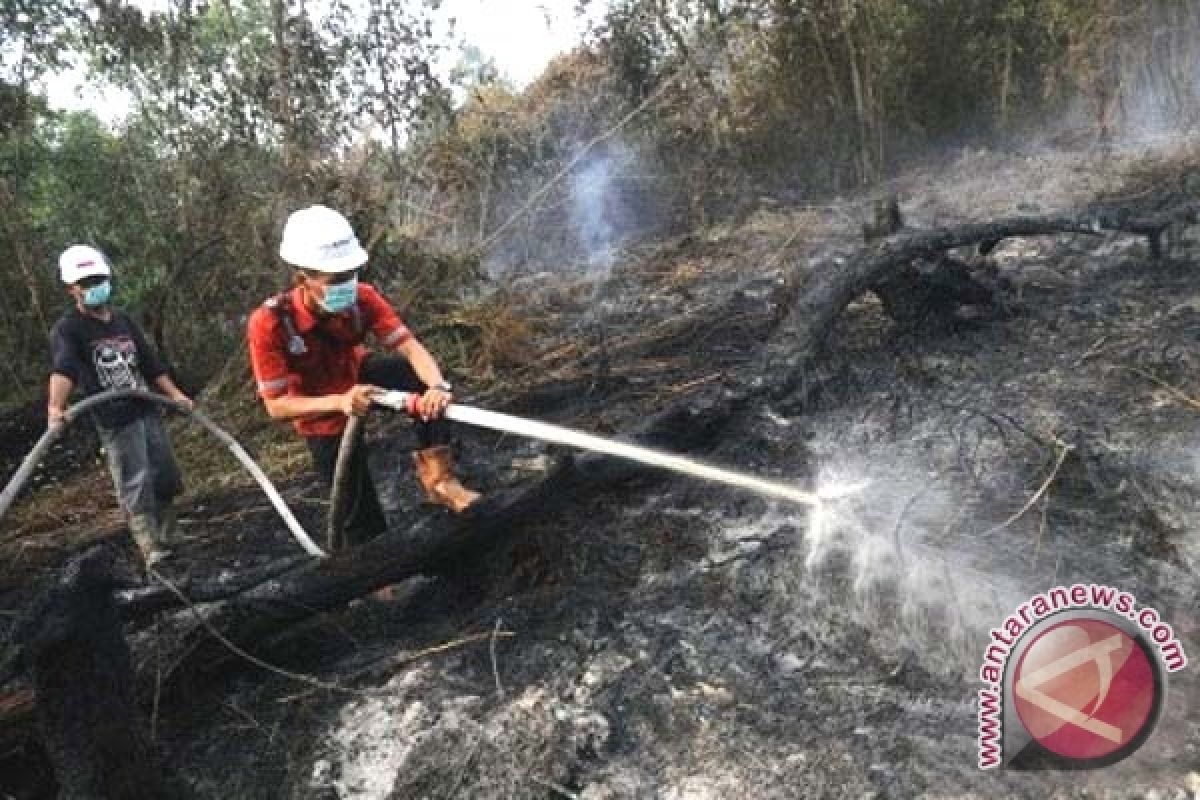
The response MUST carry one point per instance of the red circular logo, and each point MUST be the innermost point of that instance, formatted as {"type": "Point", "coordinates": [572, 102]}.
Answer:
{"type": "Point", "coordinates": [1084, 689]}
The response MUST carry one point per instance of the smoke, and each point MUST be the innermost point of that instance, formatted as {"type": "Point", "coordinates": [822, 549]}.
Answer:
{"type": "Point", "coordinates": [607, 200]}
{"type": "Point", "coordinates": [601, 212]}
{"type": "Point", "coordinates": [1159, 81]}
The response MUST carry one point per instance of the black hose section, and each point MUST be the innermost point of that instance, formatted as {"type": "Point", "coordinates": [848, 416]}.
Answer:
{"type": "Point", "coordinates": [335, 523]}
{"type": "Point", "coordinates": [52, 435]}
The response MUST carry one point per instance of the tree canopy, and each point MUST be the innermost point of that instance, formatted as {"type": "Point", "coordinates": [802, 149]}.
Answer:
{"type": "Point", "coordinates": [681, 111]}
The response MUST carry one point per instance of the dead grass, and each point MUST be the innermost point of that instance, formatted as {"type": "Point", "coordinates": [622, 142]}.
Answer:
{"type": "Point", "coordinates": [1169, 166]}
{"type": "Point", "coordinates": [486, 337]}
{"type": "Point", "coordinates": [85, 497]}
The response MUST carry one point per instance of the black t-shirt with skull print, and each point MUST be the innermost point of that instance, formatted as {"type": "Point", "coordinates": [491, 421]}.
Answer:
{"type": "Point", "coordinates": [99, 355]}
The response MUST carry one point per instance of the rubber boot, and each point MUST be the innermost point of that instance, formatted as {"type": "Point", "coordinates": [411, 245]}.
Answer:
{"type": "Point", "coordinates": [164, 532]}
{"type": "Point", "coordinates": [144, 529]}
{"type": "Point", "coordinates": [435, 472]}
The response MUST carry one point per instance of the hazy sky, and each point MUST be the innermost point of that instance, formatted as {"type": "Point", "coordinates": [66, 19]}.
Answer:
{"type": "Point", "coordinates": [519, 35]}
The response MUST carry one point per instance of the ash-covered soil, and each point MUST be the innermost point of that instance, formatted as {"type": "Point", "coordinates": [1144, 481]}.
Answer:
{"type": "Point", "coordinates": [671, 639]}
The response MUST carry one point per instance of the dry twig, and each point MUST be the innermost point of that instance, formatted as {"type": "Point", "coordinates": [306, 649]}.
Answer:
{"type": "Point", "coordinates": [1174, 391]}
{"type": "Point", "coordinates": [441, 648]}
{"type": "Point", "coordinates": [300, 677]}
{"type": "Point", "coordinates": [495, 669]}
{"type": "Point", "coordinates": [1037, 544]}
{"type": "Point", "coordinates": [561, 791]}
{"type": "Point", "coordinates": [1063, 450]}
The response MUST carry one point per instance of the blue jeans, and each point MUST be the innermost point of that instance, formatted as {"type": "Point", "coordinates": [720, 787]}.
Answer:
{"type": "Point", "coordinates": [142, 464]}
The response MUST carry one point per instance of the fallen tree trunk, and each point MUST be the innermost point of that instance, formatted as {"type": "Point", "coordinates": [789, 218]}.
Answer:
{"type": "Point", "coordinates": [822, 295]}
{"type": "Point", "coordinates": [436, 545]}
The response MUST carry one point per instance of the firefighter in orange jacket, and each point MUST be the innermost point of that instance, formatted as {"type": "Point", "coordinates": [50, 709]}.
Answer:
{"type": "Point", "coordinates": [311, 366]}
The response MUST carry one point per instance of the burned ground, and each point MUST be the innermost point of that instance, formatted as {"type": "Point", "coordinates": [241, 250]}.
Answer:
{"type": "Point", "coordinates": [664, 638]}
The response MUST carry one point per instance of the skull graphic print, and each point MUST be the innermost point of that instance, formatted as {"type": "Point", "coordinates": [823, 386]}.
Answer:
{"type": "Point", "coordinates": [116, 363]}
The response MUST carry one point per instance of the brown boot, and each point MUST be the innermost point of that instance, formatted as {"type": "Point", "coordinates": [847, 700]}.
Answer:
{"type": "Point", "coordinates": [144, 530]}
{"type": "Point", "coordinates": [435, 471]}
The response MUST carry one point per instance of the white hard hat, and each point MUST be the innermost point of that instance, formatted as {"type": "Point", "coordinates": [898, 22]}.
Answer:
{"type": "Point", "coordinates": [320, 238]}
{"type": "Point", "coordinates": [79, 262]}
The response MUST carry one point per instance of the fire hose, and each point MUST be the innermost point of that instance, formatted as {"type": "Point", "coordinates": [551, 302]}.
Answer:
{"type": "Point", "coordinates": [407, 402]}
{"type": "Point", "coordinates": [52, 434]}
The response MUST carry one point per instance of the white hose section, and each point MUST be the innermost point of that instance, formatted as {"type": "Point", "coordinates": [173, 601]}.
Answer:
{"type": "Point", "coordinates": [402, 401]}
{"type": "Point", "coordinates": [586, 441]}
{"type": "Point", "coordinates": [29, 464]}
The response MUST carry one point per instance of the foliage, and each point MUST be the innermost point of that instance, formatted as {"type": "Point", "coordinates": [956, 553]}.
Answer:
{"type": "Point", "coordinates": [672, 114]}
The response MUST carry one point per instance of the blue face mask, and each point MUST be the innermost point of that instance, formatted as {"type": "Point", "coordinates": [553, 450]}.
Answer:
{"type": "Point", "coordinates": [97, 295]}
{"type": "Point", "coordinates": [340, 296]}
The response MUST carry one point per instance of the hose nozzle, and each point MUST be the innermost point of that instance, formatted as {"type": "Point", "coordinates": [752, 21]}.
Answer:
{"type": "Point", "coordinates": [404, 402]}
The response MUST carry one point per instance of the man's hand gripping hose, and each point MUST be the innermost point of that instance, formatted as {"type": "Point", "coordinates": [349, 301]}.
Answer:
{"type": "Point", "coordinates": [29, 464]}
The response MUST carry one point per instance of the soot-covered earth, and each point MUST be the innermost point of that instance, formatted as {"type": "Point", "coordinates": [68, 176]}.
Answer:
{"type": "Point", "coordinates": [669, 638]}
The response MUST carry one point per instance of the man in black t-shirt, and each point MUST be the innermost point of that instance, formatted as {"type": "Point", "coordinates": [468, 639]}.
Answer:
{"type": "Point", "coordinates": [98, 347]}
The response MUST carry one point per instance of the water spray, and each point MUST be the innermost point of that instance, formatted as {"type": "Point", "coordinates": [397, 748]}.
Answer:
{"type": "Point", "coordinates": [408, 402]}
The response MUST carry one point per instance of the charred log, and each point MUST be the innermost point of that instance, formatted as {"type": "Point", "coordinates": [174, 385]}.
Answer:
{"type": "Point", "coordinates": [887, 220]}
{"type": "Point", "coordinates": [926, 291]}
{"type": "Point", "coordinates": [931, 293]}
{"type": "Point", "coordinates": [822, 295]}
{"type": "Point", "coordinates": [73, 650]}
{"type": "Point", "coordinates": [441, 545]}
